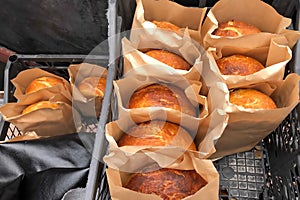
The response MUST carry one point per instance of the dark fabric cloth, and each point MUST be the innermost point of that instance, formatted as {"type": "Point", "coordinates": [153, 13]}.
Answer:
{"type": "Point", "coordinates": [53, 26]}
{"type": "Point", "coordinates": [44, 169]}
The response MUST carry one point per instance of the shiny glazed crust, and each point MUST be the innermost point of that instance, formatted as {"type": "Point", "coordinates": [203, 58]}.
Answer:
{"type": "Point", "coordinates": [250, 98]}
{"type": "Point", "coordinates": [235, 28]}
{"type": "Point", "coordinates": [238, 65]}
{"type": "Point", "coordinates": [166, 25]}
{"type": "Point", "coordinates": [169, 58]}
{"type": "Point", "coordinates": [42, 83]}
{"type": "Point", "coordinates": [157, 133]}
{"type": "Point", "coordinates": [169, 184]}
{"type": "Point", "coordinates": [92, 87]}
{"type": "Point", "coordinates": [161, 95]}
{"type": "Point", "coordinates": [39, 105]}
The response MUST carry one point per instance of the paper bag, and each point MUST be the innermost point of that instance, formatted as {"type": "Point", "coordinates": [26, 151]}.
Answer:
{"type": "Point", "coordinates": [274, 58]}
{"type": "Point", "coordinates": [205, 168]}
{"type": "Point", "coordinates": [183, 17]}
{"type": "Point", "coordinates": [45, 122]}
{"type": "Point", "coordinates": [124, 88]}
{"type": "Point", "coordinates": [184, 47]}
{"type": "Point", "coordinates": [255, 12]}
{"type": "Point", "coordinates": [247, 127]}
{"type": "Point", "coordinates": [25, 77]}
{"type": "Point", "coordinates": [89, 107]}
{"type": "Point", "coordinates": [26, 136]}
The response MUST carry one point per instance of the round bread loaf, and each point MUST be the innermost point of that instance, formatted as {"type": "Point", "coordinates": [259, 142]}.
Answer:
{"type": "Point", "coordinates": [40, 105]}
{"type": "Point", "coordinates": [166, 25]}
{"type": "Point", "coordinates": [92, 87]}
{"type": "Point", "coordinates": [251, 98]}
{"type": "Point", "coordinates": [169, 58]}
{"type": "Point", "coordinates": [157, 133]}
{"type": "Point", "coordinates": [161, 95]}
{"type": "Point", "coordinates": [235, 28]}
{"type": "Point", "coordinates": [42, 83]}
{"type": "Point", "coordinates": [238, 65]}
{"type": "Point", "coordinates": [169, 184]}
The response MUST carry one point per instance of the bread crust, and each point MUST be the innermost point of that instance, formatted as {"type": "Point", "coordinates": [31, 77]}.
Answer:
{"type": "Point", "coordinates": [92, 87]}
{"type": "Point", "coordinates": [157, 133]}
{"type": "Point", "coordinates": [238, 65]}
{"type": "Point", "coordinates": [40, 105]}
{"type": "Point", "coordinates": [169, 184]}
{"type": "Point", "coordinates": [42, 83]}
{"type": "Point", "coordinates": [166, 25]}
{"type": "Point", "coordinates": [161, 95]}
{"type": "Point", "coordinates": [169, 58]}
{"type": "Point", "coordinates": [234, 28]}
{"type": "Point", "coordinates": [251, 98]}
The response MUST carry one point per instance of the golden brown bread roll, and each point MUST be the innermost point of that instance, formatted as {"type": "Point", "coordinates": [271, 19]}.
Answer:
{"type": "Point", "coordinates": [235, 28]}
{"type": "Point", "coordinates": [157, 133]}
{"type": "Point", "coordinates": [251, 98]}
{"type": "Point", "coordinates": [166, 25]}
{"type": "Point", "coordinates": [169, 184]}
{"type": "Point", "coordinates": [161, 95]}
{"type": "Point", "coordinates": [238, 65]}
{"type": "Point", "coordinates": [92, 87]}
{"type": "Point", "coordinates": [169, 58]}
{"type": "Point", "coordinates": [42, 83]}
{"type": "Point", "coordinates": [40, 105]}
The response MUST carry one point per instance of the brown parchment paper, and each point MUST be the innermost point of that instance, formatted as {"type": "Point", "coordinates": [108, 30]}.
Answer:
{"type": "Point", "coordinates": [183, 17]}
{"type": "Point", "coordinates": [26, 136]}
{"type": "Point", "coordinates": [205, 168]}
{"type": "Point", "coordinates": [89, 107]}
{"type": "Point", "coordinates": [247, 127]}
{"type": "Point", "coordinates": [45, 122]}
{"type": "Point", "coordinates": [255, 12]}
{"type": "Point", "coordinates": [182, 46]}
{"type": "Point", "coordinates": [24, 78]}
{"type": "Point", "coordinates": [274, 58]}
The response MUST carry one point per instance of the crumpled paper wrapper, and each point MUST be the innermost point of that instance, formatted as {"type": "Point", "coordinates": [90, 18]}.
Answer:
{"type": "Point", "coordinates": [26, 136]}
{"type": "Point", "coordinates": [89, 107]}
{"type": "Point", "coordinates": [45, 122]}
{"type": "Point", "coordinates": [117, 177]}
{"type": "Point", "coordinates": [274, 58]}
{"type": "Point", "coordinates": [255, 12]}
{"type": "Point", "coordinates": [182, 46]}
{"type": "Point", "coordinates": [247, 127]}
{"type": "Point", "coordinates": [183, 17]}
{"type": "Point", "coordinates": [25, 77]}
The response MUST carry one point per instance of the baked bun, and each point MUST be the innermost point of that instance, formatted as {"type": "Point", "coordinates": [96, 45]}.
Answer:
{"type": "Point", "coordinates": [92, 87]}
{"type": "Point", "coordinates": [42, 83]}
{"type": "Point", "coordinates": [39, 105]}
{"type": "Point", "coordinates": [238, 65]}
{"type": "Point", "coordinates": [161, 95]}
{"type": "Point", "coordinates": [157, 133]}
{"type": "Point", "coordinates": [250, 98]}
{"type": "Point", "coordinates": [169, 58]}
{"type": "Point", "coordinates": [166, 25]}
{"type": "Point", "coordinates": [235, 28]}
{"type": "Point", "coordinates": [169, 184]}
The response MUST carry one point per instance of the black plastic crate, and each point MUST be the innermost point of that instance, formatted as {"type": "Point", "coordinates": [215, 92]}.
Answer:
{"type": "Point", "coordinates": [268, 171]}
{"type": "Point", "coordinates": [56, 64]}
